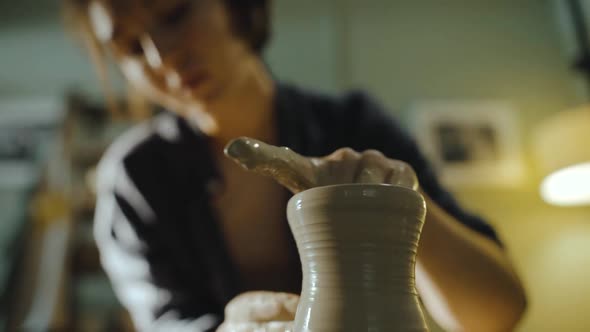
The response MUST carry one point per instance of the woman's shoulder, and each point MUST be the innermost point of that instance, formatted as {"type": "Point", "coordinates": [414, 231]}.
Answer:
{"type": "Point", "coordinates": [327, 121]}
{"type": "Point", "coordinates": [351, 107]}
{"type": "Point", "coordinates": [141, 144]}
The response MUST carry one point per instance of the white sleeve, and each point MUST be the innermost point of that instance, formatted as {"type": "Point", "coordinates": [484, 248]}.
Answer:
{"type": "Point", "coordinates": [121, 253]}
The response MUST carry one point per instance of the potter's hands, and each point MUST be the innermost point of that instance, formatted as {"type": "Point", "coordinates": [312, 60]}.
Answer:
{"type": "Point", "coordinates": [298, 173]}
{"type": "Point", "coordinates": [260, 312]}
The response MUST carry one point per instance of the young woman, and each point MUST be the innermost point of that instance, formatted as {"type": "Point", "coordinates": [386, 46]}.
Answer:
{"type": "Point", "coordinates": [182, 230]}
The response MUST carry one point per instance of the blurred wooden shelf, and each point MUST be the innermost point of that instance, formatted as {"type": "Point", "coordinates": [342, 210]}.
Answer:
{"type": "Point", "coordinates": [61, 263]}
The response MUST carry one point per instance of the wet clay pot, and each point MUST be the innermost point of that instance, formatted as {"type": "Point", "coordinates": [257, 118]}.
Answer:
{"type": "Point", "coordinates": [358, 245]}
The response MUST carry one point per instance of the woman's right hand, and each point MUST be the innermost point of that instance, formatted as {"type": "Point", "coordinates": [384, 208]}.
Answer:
{"type": "Point", "coordinates": [260, 311]}
{"type": "Point", "coordinates": [298, 173]}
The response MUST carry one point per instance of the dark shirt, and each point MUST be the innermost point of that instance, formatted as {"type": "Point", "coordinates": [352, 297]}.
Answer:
{"type": "Point", "coordinates": [156, 230]}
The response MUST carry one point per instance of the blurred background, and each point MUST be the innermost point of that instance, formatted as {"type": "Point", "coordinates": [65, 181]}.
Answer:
{"type": "Point", "coordinates": [486, 87]}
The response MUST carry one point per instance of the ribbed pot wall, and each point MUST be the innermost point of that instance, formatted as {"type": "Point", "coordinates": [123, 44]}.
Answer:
{"type": "Point", "coordinates": [358, 246]}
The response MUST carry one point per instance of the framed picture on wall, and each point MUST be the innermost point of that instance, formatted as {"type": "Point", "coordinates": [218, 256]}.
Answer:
{"type": "Point", "coordinates": [470, 143]}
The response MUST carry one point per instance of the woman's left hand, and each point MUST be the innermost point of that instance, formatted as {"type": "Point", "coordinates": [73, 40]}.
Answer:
{"type": "Point", "coordinates": [299, 173]}
{"type": "Point", "coordinates": [260, 311]}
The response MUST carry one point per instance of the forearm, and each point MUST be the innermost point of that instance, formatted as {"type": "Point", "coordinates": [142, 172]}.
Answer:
{"type": "Point", "coordinates": [465, 279]}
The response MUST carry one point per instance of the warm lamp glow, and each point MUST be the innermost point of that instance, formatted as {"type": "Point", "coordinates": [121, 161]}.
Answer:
{"type": "Point", "coordinates": [568, 186]}
{"type": "Point", "coordinates": [563, 156]}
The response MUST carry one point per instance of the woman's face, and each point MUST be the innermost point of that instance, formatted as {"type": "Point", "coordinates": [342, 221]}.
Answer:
{"type": "Point", "coordinates": [180, 51]}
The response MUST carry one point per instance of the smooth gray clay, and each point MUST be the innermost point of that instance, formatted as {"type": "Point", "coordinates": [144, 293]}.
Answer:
{"type": "Point", "coordinates": [358, 247]}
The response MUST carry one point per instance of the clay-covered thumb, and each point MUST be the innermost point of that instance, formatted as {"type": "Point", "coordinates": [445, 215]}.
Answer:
{"type": "Point", "coordinates": [285, 166]}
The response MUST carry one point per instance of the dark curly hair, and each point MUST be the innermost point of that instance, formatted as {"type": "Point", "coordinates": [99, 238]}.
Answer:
{"type": "Point", "coordinates": [250, 19]}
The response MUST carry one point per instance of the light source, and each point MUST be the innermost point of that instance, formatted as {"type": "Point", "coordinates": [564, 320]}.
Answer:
{"type": "Point", "coordinates": [562, 140]}
{"type": "Point", "coordinates": [562, 150]}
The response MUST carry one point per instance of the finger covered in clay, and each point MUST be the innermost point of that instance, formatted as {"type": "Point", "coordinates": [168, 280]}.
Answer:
{"type": "Point", "coordinates": [262, 306]}
{"type": "Point", "coordinates": [371, 166]}
{"type": "Point", "coordinates": [256, 327]}
{"type": "Point", "coordinates": [299, 173]}
{"type": "Point", "coordinates": [281, 163]}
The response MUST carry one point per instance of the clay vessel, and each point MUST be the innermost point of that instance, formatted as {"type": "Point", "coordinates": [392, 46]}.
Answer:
{"type": "Point", "coordinates": [357, 244]}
